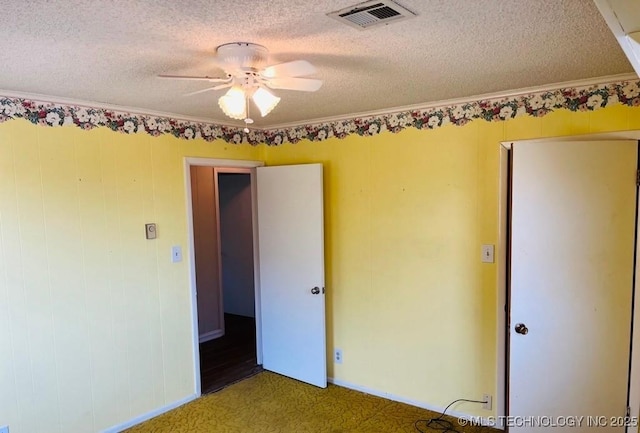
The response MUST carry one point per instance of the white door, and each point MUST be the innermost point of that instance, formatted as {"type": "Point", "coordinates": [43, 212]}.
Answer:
{"type": "Point", "coordinates": [291, 255]}
{"type": "Point", "coordinates": [572, 260]}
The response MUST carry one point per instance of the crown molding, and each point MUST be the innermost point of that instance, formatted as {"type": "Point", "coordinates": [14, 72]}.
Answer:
{"type": "Point", "coordinates": [467, 99]}
{"type": "Point", "coordinates": [119, 108]}
{"type": "Point", "coordinates": [583, 95]}
{"type": "Point", "coordinates": [424, 106]}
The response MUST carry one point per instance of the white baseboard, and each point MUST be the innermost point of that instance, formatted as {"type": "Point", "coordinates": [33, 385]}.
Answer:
{"type": "Point", "coordinates": [152, 414]}
{"type": "Point", "coordinates": [211, 335]}
{"type": "Point", "coordinates": [147, 416]}
{"type": "Point", "coordinates": [388, 396]}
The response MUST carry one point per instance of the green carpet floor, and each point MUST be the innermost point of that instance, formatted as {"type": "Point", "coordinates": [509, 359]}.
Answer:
{"type": "Point", "coordinates": [270, 403]}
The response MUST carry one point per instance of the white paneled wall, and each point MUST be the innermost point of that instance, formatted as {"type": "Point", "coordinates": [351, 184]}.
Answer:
{"type": "Point", "coordinates": [95, 320]}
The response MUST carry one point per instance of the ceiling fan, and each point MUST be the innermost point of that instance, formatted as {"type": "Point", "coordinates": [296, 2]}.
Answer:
{"type": "Point", "coordinates": [249, 77]}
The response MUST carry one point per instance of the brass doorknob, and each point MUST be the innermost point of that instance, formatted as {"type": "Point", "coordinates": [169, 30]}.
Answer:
{"type": "Point", "coordinates": [521, 329]}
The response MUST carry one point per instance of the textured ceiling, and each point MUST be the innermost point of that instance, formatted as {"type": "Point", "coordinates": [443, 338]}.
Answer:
{"type": "Point", "coordinates": [110, 52]}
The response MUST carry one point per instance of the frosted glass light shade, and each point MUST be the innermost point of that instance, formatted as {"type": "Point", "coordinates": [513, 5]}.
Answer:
{"type": "Point", "coordinates": [264, 100]}
{"type": "Point", "coordinates": [233, 103]}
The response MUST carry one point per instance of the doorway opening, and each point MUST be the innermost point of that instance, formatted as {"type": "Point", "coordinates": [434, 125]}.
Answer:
{"type": "Point", "coordinates": [223, 234]}
{"type": "Point", "coordinates": [288, 265]}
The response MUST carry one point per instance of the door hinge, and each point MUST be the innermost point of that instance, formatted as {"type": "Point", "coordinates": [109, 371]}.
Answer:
{"type": "Point", "coordinates": [638, 178]}
{"type": "Point", "coordinates": [628, 415]}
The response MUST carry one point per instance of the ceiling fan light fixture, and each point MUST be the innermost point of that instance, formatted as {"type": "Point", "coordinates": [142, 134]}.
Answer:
{"type": "Point", "coordinates": [247, 76]}
{"type": "Point", "coordinates": [233, 103]}
{"type": "Point", "coordinates": [264, 100]}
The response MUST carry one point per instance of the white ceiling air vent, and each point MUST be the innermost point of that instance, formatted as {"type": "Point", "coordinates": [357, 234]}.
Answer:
{"type": "Point", "coordinates": [372, 13]}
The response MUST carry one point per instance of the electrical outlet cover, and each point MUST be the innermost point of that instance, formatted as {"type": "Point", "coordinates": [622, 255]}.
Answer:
{"type": "Point", "coordinates": [489, 402]}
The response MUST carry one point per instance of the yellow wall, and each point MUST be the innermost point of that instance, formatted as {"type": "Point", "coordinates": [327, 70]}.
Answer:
{"type": "Point", "coordinates": [95, 321]}
{"type": "Point", "coordinates": [95, 325]}
{"type": "Point", "coordinates": [408, 300]}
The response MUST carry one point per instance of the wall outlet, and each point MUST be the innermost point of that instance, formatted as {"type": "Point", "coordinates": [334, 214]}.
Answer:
{"type": "Point", "coordinates": [337, 356]}
{"type": "Point", "coordinates": [488, 405]}
{"type": "Point", "coordinates": [4, 429]}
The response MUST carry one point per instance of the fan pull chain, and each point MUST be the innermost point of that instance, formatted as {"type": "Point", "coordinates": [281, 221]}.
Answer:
{"type": "Point", "coordinates": [248, 120]}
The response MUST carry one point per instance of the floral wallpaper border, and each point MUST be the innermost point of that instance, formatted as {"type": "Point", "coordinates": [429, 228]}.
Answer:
{"type": "Point", "coordinates": [538, 104]}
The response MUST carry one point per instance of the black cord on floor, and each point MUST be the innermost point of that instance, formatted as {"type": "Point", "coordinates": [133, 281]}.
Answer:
{"type": "Point", "coordinates": [439, 423]}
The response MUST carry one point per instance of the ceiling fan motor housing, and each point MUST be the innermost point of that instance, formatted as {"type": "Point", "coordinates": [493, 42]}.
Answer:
{"type": "Point", "coordinates": [242, 56]}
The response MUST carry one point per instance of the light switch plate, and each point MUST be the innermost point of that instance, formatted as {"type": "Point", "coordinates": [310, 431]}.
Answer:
{"type": "Point", "coordinates": [487, 254]}
{"type": "Point", "coordinates": [176, 254]}
{"type": "Point", "coordinates": [151, 233]}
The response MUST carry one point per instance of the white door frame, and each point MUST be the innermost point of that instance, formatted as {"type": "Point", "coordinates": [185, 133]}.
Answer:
{"type": "Point", "coordinates": [501, 377]}
{"type": "Point", "coordinates": [232, 163]}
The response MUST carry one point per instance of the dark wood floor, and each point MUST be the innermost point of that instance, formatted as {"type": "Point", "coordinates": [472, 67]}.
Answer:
{"type": "Point", "coordinates": [230, 358]}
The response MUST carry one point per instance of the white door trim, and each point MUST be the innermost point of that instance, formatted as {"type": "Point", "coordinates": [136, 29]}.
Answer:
{"type": "Point", "coordinates": [634, 391]}
{"type": "Point", "coordinates": [212, 162]}
{"type": "Point", "coordinates": [501, 296]}
{"type": "Point", "coordinates": [501, 377]}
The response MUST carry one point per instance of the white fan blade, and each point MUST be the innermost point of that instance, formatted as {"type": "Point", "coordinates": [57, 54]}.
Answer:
{"type": "Point", "coordinates": [290, 83]}
{"type": "Point", "coordinates": [297, 68]}
{"type": "Point", "coordinates": [208, 89]}
{"type": "Point", "coordinates": [188, 77]}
